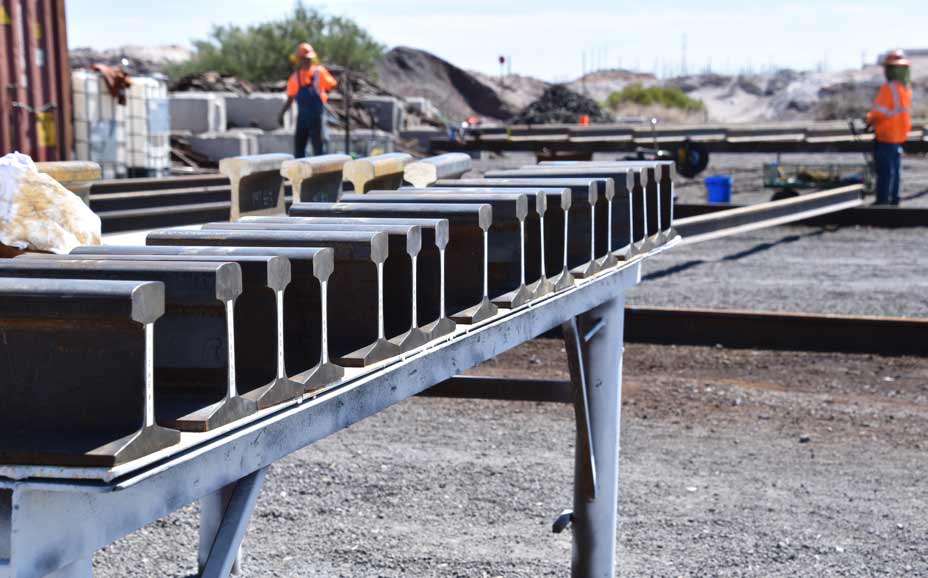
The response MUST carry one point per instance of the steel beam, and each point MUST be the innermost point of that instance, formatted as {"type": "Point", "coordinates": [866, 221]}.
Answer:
{"type": "Point", "coordinates": [660, 175]}
{"type": "Point", "coordinates": [590, 207]}
{"type": "Point", "coordinates": [380, 171]}
{"type": "Point", "coordinates": [257, 185]}
{"type": "Point", "coordinates": [195, 380]}
{"type": "Point", "coordinates": [400, 285]}
{"type": "Point", "coordinates": [224, 517]}
{"type": "Point", "coordinates": [306, 323]}
{"type": "Point", "coordinates": [170, 216]}
{"type": "Point", "coordinates": [777, 330]}
{"type": "Point", "coordinates": [645, 203]}
{"type": "Point", "coordinates": [469, 224]}
{"type": "Point", "coordinates": [160, 183]}
{"type": "Point", "coordinates": [506, 255]}
{"type": "Point", "coordinates": [158, 198]}
{"type": "Point", "coordinates": [57, 521]}
{"type": "Point", "coordinates": [78, 383]}
{"type": "Point", "coordinates": [424, 172]}
{"type": "Point", "coordinates": [735, 221]}
{"type": "Point", "coordinates": [612, 214]}
{"type": "Point", "coordinates": [430, 311]}
{"type": "Point", "coordinates": [594, 342]}
{"type": "Point", "coordinates": [260, 368]}
{"type": "Point", "coordinates": [357, 311]}
{"type": "Point", "coordinates": [315, 179]}
{"type": "Point", "coordinates": [544, 231]}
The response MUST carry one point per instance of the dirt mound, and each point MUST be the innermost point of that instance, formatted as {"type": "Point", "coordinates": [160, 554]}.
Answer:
{"type": "Point", "coordinates": [454, 91]}
{"type": "Point", "coordinates": [142, 59]}
{"type": "Point", "coordinates": [212, 81]}
{"type": "Point", "coordinates": [559, 104]}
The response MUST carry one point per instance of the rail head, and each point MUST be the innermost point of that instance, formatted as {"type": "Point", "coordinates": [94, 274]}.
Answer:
{"type": "Point", "coordinates": [426, 171]}
{"type": "Point", "coordinates": [480, 213]}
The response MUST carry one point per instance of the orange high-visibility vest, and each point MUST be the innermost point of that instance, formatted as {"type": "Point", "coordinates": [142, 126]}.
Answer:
{"type": "Point", "coordinates": [889, 116]}
{"type": "Point", "coordinates": [317, 75]}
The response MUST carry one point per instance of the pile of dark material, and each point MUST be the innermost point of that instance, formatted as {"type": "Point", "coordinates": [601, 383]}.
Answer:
{"type": "Point", "coordinates": [559, 104]}
{"type": "Point", "coordinates": [212, 81]}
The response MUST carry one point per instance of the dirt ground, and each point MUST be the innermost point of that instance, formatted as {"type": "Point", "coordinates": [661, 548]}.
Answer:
{"type": "Point", "coordinates": [733, 463]}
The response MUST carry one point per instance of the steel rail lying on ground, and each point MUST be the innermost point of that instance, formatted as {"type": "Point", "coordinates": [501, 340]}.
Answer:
{"type": "Point", "coordinates": [884, 217]}
{"type": "Point", "coordinates": [750, 218]}
{"type": "Point", "coordinates": [617, 146]}
{"type": "Point", "coordinates": [774, 330]}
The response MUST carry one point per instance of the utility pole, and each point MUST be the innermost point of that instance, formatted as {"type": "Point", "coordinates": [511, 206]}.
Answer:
{"type": "Point", "coordinates": [683, 57]}
{"type": "Point", "coordinates": [347, 112]}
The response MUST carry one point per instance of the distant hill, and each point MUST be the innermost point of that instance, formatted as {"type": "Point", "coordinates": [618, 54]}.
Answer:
{"type": "Point", "coordinates": [458, 93]}
{"type": "Point", "coordinates": [454, 91]}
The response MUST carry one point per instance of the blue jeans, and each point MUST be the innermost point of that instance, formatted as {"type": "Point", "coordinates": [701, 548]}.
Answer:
{"type": "Point", "coordinates": [888, 157]}
{"type": "Point", "coordinates": [308, 129]}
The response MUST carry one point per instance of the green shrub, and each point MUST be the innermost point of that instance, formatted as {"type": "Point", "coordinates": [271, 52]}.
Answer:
{"type": "Point", "coordinates": [259, 53]}
{"type": "Point", "coordinates": [668, 96]}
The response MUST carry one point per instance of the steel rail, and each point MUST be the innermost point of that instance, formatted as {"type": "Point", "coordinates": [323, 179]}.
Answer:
{"type": "Point", "coordinates": [61, 520]}
{"type": "Point", "coordinates": [772, 330]}
{"type": "Point", "coordinates": [743, 219]}
{"type": "Point", "coordinates": [883, 217]}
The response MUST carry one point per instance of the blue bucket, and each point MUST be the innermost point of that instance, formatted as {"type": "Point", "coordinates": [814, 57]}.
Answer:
{"type": "Point", "coordinates": [718, 189]}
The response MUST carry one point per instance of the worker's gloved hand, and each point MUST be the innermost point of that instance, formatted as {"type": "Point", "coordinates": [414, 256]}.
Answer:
{"type": "Point", "coordinates": [280, 119]}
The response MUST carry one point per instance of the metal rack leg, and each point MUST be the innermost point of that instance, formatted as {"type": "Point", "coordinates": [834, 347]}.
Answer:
{"type": "Point", "coordinates": [80, 569]}
{"type": "Point", "coordinates": [224, 517]}
{"type": "Point", "coordinates": [594, 345]}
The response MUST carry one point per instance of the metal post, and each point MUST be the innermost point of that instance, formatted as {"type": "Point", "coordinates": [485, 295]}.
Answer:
{"type": "Point", "coordinates": [594, 345]}
{"type": "Point", "coordinates": [81, 569]}
{"type": "Point", "coordinates": [224, 517]}
{"type": "Point", "coordinates": [348, 113]}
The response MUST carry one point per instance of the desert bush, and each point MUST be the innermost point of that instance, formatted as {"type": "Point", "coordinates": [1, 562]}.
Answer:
{"type": "Point", "coordinates": [668, 96]}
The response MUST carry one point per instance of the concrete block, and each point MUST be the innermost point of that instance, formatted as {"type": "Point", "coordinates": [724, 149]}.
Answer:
{"type": "Point", "coordinates": [422, 106]}
{"type": "Point", "coordinates": [259, 110]}
{"type": "Point", "coordinates": [198, 112]}
{"type": "Point", "coordinates": [389, 112]}
{"type": "Point", "coordinates": [364, 142]}
{"type": "Point", "coordinates": [220, 145]}
{"type": "Point", "coordinates": [278, 141]}
{"type": "Point", "coordinates": [422, 136]}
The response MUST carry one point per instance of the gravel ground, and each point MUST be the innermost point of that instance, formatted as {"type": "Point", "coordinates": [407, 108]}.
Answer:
{"type": "Point", "coordinates": [734, 463]}
{"type": "Point", "coordinates": [853, 271]}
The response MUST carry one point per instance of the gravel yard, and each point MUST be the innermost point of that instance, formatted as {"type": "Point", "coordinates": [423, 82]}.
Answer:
{"type": "Point", "coordinates": [851, 271]}
{"type": "Point", "coordinates": [734, 463]}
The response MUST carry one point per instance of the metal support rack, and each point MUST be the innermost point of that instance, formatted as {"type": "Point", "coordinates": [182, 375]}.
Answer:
{"type": "Point", "coordinates": [52, 520]}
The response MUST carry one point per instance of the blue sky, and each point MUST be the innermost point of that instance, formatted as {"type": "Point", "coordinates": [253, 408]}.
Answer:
{"type": "Point", "coordinates": [552, 39]}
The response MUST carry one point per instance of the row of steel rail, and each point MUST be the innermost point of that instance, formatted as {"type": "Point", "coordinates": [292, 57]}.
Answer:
{"type": "Point", "coordinates": [138, 378]}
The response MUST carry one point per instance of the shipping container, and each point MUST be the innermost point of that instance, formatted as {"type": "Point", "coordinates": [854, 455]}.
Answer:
{"type": "Point", "coordinates": [35, 80]}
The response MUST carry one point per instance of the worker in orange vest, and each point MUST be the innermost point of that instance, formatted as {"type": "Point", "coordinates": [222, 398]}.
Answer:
{"type": "Point", "coordinates": [891, 123]}
{"type": "Point", "coordinates": [309, 86]}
